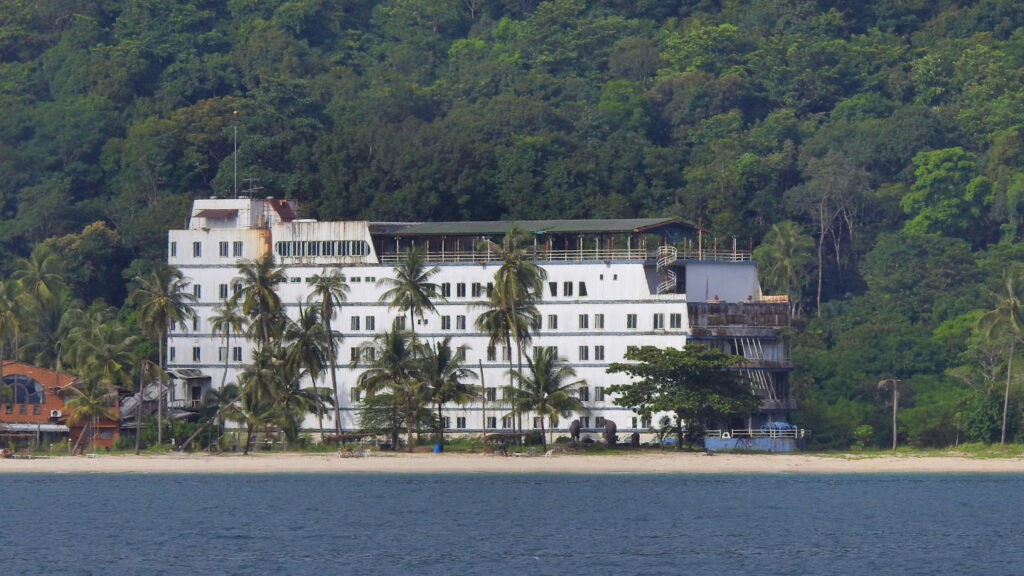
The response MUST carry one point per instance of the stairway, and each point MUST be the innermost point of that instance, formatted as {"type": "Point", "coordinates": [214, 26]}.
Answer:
{"type": "Point", "coordinates": [666, 258]}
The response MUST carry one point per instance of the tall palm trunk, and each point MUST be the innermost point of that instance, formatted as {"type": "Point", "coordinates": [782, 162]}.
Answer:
{"type": "Point", "coordinates": [408, 421]}
{"type": "Point", "coordinates": [227, 356]}
{"type": "Point", "coordinates": [1006, 395]}
{"type": "Point", "coordinates": [332, 352]}
{"type": "Point", "coordinates": [160, 394]}
{"type": "Point", "coordinates": [138, 413]}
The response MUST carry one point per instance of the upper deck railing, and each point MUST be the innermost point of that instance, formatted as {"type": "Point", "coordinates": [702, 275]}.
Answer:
{"type": "Point", "coordinates": [591, 254]}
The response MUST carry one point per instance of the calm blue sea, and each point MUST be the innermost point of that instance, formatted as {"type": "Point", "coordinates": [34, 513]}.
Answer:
{"type": "Point", "coordinates": [518, 524]}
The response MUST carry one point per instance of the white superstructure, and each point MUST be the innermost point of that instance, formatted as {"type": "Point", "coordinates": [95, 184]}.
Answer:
{"type": "Point", "coordinates": [610, 284]}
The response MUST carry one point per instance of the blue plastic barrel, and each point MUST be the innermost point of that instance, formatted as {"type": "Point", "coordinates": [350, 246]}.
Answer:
{"type": "Point", "coordinates": [438, 448]}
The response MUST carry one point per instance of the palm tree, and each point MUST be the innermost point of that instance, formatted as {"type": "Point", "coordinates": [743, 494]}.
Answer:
{"type": "Point", "coordinates": [1007, 317]}
{"type": "Point", "coordinates": [258, 295]}
{"type": "Point", "coordinates": [411, 289]}
{"type": "Point", "coordinates": [785, 255]}
{"type": "Point", "coordinates": [224, 404]}
{"type": "Point", "coordinates": [519, 283]}
{"type": "Point", "coordinates": [51, 323]}
{"type": "Point", "coordinates": [503, 320]}
{"type": "Point", "coordinates": [440, 369]}
{"type": "Point", "coordinates": [39, 274]}
{"type": "Point", "coordinates": [548, 388]}
{"type": "Point", "coordinates": [227, 317]}
{"type": "Point", "coordinates": [292, 402]}
{"type": "Point", "coordinates": [103, 351]}
{"type": "Point", "coordinates": [307, 345]}
{"type": "Point", "coordinates": [392, 361]}
{"type": "Point", "coordinates": [143, 371]}
{"type": "Point", "coordinates": [9, 318]}
{"type": "Point", "coordinates": [162, 302]}
{"type": "Point", "coordinates": [330, 290]}
{"type": "Point", "coordinates": [258, 384]}
{"type": "Point", "coordinates": [91, 402]}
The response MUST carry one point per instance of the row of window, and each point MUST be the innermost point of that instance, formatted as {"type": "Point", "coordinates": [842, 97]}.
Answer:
{"type": "Point", "coordinates": [477, 290]}
{"type": "Point", "coordinates": [197, 354]}
{"type": "Point", "coordinates": [224, 249]}
{"type": "Point", "coordinates": [322, 248]}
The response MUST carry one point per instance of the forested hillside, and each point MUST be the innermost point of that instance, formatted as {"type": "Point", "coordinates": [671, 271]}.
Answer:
{"type": "Point", "coordinates": [872, 149]}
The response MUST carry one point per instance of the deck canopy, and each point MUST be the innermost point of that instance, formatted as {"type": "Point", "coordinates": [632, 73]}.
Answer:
{"type": "Point", "coordinates": [616, 239]}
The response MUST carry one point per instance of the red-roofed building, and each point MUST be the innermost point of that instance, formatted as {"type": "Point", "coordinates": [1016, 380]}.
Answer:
{"type": "Point", "coordinates": [33, 413]}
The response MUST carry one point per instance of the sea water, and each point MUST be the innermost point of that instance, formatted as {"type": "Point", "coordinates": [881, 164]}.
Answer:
{"type": "Point", "coordinates": [300, 524]}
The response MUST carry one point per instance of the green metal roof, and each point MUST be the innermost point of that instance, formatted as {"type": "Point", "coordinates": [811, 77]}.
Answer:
{"type": "Point", "coordinates": [541, 227]}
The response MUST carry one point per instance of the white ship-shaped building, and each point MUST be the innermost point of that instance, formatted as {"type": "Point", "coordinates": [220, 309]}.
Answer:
{"type": "Point", "coordinates": [610, 284]}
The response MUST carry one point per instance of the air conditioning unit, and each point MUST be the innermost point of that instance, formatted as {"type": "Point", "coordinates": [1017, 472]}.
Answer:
{"type": "Point", "coordinates": [54, 413]}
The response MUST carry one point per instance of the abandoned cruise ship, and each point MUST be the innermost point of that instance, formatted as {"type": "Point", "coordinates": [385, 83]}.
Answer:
{"type": "Point", "coordinates": [610, 284]}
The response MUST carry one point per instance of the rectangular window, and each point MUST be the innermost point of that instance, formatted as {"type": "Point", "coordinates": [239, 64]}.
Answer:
{"type": "Point", "coordinates": [196, 354]}
{"type": "Point", "coordinates": [552, 322]}
{"type": "Point", "coordinates": [462, 353]}
{"type": "Point", "coordinates": [631, 321]}
{"type": "Point", "coordinates": [354, 323]}
{"type": "Point", "coordinates": [460, 290]}
{"type": "Point", "coordinates": [460, 422]}
{"type": "Point", "coordinates": [236, 249]}
{"type": "Point", "coordinates": [491, 394]}
{"type": "Point", "coordinates": [553, 288]}
{"type": "Point", "coordinates": [584, 421]}
{"type": "Point", "coordinates": [446, 422]}
{"type": "Point", "coordinates": [371, 323]}
{"type": "Point", "coordinates": [492, 354]}
{"type": "Point", "coordinates": [477, 289]}
{"type": "Point", "coordinates": [645, 422]}
{"type": "Point", "coordinates": [599, 395]}
{"type": "Point", "coordinates": [236, 288]}
{"type": "Point", "coordinates": [598, 352]}
{"type": "Point", "coordinates": [236, 354]}
{"type": "Point", "coordinates": [634, 421]}
{"type": "Point", "coordinates": [222, 353]}
{"type": "Point", "coordinates": [675, 321]}
{"type": "Point", "coordinates": [506, 353]}
{"type": "Point", "coordinates": [599, 321]}
{"type": "Point", "coordinates": [371, 278]}
{"type": "Point", "coordinates": [599, 421]}
{"type": "Point", "coordinates": [584, 353]}
{"type": "Point", "coordinates": [174, 249]}
{"type": "Point", "coordinates": [566, 288]}
{"type": "Point", "coordinates": [446, 322]}
{"type": "Point", "coordinates": [659, 321]}
{"type": "Point", "coordinates": [197, 249]}
{"type": "Point", "coordinates": [460, 322]}
{"type": "Point", "coordinates": [538, 421]}
{"type": "Point", "coordinates": [36, 409]}
{"type": "Point", "coordinates": [171, 353]}
{"type": "Point", "coordinates": [492, 422]}
{"type": "Point", "coordinates": [536, 322]}
{"type": "Point", "coordinates": [446, 290]}
{"type": "Point", "coordinates": [583, 288]}
{"type": "Point", "coordinates": [197, 291]}
{"type": "Point", "coordinates": [506, 422]}
{"type": "Point", "coordinates": [490, 289]}
{"type": "Point", "coordinates": [354, 354]}
{"type": "Point", "coordinates": [355, 395]}
{"type": "Point", "coordinates": [222, 291]}
{"type": "Point", "coordinates": [222, 249]}
{"type": "Point", "coordinates": [400, 323]}
{"type": "Point", "coordinates": [584, 321]}
{"type": "Point", "coordinates": [195, 323]}
{"type": "Point", "coordinates": [584, 393]}
{"type": "Point", "coordinates": [554, 352]}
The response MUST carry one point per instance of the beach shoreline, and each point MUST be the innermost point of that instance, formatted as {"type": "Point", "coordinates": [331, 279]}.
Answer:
{"type": "Point", "coordinates": [460, 463]}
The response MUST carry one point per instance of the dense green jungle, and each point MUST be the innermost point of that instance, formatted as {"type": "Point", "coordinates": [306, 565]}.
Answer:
{"type": "Point", "coordinates": [871, 151]}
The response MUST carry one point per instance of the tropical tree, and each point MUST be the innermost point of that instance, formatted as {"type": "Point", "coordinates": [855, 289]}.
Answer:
{"type": "Point", "coordinates": [306, 348]}
{"type": "Point", "coordinates": [547, 388]}
{"type": "Point", "coordinates": [258, 296]}
{"type": "Point", "coordinates": [90, 403]}
{"type": "Point", "coordinates": [784, 258]}
{"type": "Point", "coordinates": [49, 324]}
{"type": "Point", "coordinates": [162, 302]}
{"type": "Point", "coordinates": [693, 383]}
{"type": "Point", "coordinates": [222, 404]}
{"type": "Point", "coordinates": [9, 318]}
{"type": "Point", "coordinates": [39, 274]}
{"type": "Point", "coordinates": [103, 351]}
{"type": "Point", "coordinates": [330, 291]}
{"type": "Point", "coordinates": [518, 284]}
{"type": "Point", "coordinates": [258, 383]}
{"type": "Point", "coordinates": [227, 318]}
{"type": "Point", "coordinates": [411, 289]}
{"type": "Point", "coordinates": [1006, 318]}
{"type": "Point", "coordinates": [391, 360]}
{"type": "Point", "coordinates": [439, 368]}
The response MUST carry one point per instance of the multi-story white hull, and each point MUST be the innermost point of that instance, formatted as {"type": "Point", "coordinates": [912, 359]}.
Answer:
{"type": "Point", "coordinates": [605, 291]}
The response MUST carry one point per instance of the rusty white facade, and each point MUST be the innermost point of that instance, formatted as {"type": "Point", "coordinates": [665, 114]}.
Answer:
{"type": "Point", "coordinates": [610, 284]}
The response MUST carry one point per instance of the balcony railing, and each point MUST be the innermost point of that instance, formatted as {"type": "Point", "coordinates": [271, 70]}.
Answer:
{"type": "Point", "coordinates": [591, 254]}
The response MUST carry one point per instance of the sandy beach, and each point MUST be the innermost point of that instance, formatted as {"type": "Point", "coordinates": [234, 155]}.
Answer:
{"type": "Point", "coordinates": [429, 463]}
